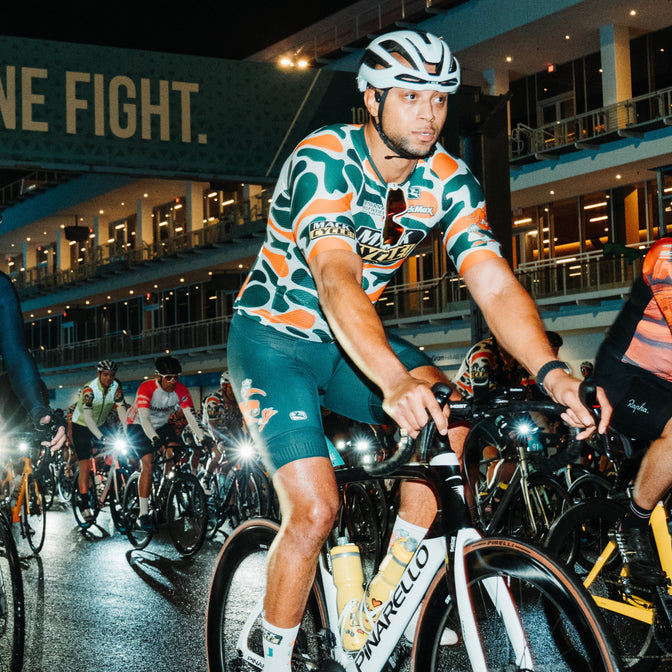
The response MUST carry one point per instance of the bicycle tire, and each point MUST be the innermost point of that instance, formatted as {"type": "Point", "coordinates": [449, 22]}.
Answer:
{"type": "Point", "coordinates": [548, 500]}
{"type": "Point", "coordinates": [35, 514]}
{"type": "Point", "coordinates": [589, 486]}
{"type": "Point", "coordinates": [138, 538]}
{"type": "Point", "coordinates": [360, 517]}
{"type": "Point", "coordinates": [577, 539]}
{"type": "Point", "coordinates": [64, 484]}
{"type": "Point", "coordinates": [237, 583]}
{"type": "Point", "coordinates": [187, 514]}
{"type": "Point", "coordinates": [252, 490]}
{"type": "Point", "coordinates": [116, 500]}
{"type": "Point", "coordinates": [214, 504]}
{"type": "Point", "coordinates": [48, 480]}
{"type": "Point", "coordinates": [83, 523]}
{"type": "Point", "coordinates": [575, 640]}
{"type": "Point", "coordinates": [12, 611]}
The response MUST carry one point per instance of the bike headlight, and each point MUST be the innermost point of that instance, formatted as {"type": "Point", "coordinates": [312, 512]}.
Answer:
{"type": "Point", "coordinates": [23, 445]}
{"type": "Point", "coordinates": [524, 428]}
{"type": "Point", "coordinates": [245, 450]}
{"type": "Point", "coordinates": [121, 446]}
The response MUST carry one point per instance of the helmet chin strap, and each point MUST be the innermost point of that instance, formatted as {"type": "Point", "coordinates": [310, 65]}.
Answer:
{"type": "Point", "coordinates": [400, 152]}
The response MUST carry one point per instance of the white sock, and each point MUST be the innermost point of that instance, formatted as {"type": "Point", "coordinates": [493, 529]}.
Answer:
{"type": "Point", "coordinates": [405, 530]}
{"type": "Point", "coordinates": [278, 646]}
{"type": "Point", "coordinates": [144, 505]}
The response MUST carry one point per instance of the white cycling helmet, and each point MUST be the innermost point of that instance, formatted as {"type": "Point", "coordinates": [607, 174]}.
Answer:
{"type": "Point", "coordinates": [381, 70]}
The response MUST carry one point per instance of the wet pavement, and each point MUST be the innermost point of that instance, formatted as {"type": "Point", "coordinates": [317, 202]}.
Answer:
{"type": "Point", "coordinates": [95, 604]}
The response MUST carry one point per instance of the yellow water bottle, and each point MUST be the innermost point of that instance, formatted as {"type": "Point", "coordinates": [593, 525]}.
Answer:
{"type": "Point", "coordinates": [388, 577]}
{"type": "Point", "coordinates": [349, 581]}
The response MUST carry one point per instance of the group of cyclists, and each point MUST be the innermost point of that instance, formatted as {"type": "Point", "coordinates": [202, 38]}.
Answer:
{"type": "Point", "coordinates": [153, 424]}
{"type": "Point", "coordinates": [351, 203]}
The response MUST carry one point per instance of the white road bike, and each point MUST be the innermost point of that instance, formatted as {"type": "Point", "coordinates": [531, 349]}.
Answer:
{"type": "Point", "coordinates": [509, 606]}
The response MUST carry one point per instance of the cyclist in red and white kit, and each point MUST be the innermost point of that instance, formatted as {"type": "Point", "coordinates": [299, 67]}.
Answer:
{"type": "Point", "coordinates": [149, 428]}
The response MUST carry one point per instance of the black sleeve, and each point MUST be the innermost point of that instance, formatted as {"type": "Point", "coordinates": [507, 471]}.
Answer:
{"type": "Point", "coordinates": [21, 368]}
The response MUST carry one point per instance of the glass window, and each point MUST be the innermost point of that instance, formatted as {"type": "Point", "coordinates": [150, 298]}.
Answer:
{"type": "Point", "coordinates": [525, 229]}
{"type": "Point", "coordinates": [595, 221]}
{"type": "Point", "coordinates": [660, 47]}
{"type": "Point", "coordinates": [562, 236]}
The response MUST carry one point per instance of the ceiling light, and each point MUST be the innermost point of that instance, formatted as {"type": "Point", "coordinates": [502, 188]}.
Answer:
{"type": "Point", "coordinates": [509, 59]}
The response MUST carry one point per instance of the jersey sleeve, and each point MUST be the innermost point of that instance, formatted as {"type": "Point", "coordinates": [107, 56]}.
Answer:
{"type": "Point", "coordinates": [143, 397]}
{"type": "Point", "coordinates": [87, 397]}
{"type": "Point", "coordinates": [657, 273]}
{"type": "Point", "coordinates": [467, 235]}
{"type": "Point", "coordinates": [321, 196]}
{"type": "Point", "coordinates": [184, 398]}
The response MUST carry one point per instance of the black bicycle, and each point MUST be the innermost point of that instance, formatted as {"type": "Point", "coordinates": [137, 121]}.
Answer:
{"type": "Point", "coordinates": [177, 499]}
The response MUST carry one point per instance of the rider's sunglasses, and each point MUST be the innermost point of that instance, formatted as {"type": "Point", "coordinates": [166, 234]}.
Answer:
{"type": "Point", "coordinates": [171, 376]}
{"type": "Point", "coordinates": [396, 204]}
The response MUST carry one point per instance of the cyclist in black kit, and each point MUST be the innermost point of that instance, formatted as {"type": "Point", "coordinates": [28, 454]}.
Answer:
{"type": "Point", "coordinates": [27, 389]}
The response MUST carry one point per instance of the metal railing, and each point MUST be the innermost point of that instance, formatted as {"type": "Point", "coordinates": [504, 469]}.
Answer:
{"type": "Point", "coordinates": [629, 117]}
{"type": "Point", "coordinates": [315, 43]}
{"type": "Point", "coordinates": [202, 334]}
{"type": "Point", "coordinates": [570, 280]}
{"type": "Point", "coordinates": [112, 258]}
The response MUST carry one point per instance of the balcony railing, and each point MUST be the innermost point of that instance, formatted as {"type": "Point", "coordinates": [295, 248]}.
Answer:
{"type": "Point", "coordinates": [628, 118]}
{"type": "Point", "coordinates": [587, 278]}
{"type": "Point", "coordinates": [199, 335]}
{"type": "Point", "coordinates": [112, 258]}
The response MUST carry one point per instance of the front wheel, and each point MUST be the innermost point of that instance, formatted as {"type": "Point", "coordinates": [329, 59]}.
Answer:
{"type": "Point", "coordinates": [116, 499]}
{"type": "Point", "coordinates": [236, 592]}
{"type": "Point", "coordinates": [138, 537]}
{"type": "Point", "coordinates": [91, 498]}
{"type": "Point", "coordinates": [187, 514]}
{"type": "Point", "coordinates": [12, 615]}
{"type": "Point", "coordinates": [34, 514]}
{"type": "Point", "coordinates": [563, 628]}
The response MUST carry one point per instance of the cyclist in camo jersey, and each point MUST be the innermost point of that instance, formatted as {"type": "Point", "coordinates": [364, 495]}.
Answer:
{"type": "Point", "coordinates": [351, 204]}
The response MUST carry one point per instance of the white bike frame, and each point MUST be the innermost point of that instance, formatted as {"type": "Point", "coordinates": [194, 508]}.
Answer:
{"type": "Point", "coordinates": [405, 600]}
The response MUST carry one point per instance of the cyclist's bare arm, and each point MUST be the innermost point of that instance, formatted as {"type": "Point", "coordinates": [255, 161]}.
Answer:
{"type": "Point", "coordinates": [356, 325]}
{"type": "Point", "coordinates": [514, 319]}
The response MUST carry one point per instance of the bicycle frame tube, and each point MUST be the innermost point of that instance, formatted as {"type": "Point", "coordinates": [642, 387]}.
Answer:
{"type": "Point", "coordinates": [661, 533]}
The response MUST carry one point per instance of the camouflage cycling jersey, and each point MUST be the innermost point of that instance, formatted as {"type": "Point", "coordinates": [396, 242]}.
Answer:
{"type": "Point", "coordinates": [330, 197]}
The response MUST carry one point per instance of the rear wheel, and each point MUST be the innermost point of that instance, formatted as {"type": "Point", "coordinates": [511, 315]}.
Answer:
{"type": "Point", "coordinates": [237, 589]}
{"type": "Point", "coordinates": [563, 628]}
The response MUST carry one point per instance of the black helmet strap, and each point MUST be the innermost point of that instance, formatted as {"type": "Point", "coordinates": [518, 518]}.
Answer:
{"type": "Point", "coordinates": [400, 152]}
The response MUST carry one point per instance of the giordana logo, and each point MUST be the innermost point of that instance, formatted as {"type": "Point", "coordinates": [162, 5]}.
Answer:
{"type": "Point", "coordinates": [298, 415]}
{"type": "Point", "coordinates": [638, 408]}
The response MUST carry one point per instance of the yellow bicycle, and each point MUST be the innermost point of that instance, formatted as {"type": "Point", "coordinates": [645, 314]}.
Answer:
{"type": "Point", "coordinates": [639, 616]}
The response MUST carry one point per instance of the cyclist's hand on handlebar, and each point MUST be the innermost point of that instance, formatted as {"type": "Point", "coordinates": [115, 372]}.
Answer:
{"type": "Point", "coordinates": [157, 443]}
{"type": "Point", "coordinates": [54, 431]}
{"type": "Point", "coordinates": [408, 404]}
{"type": "Point", "coordinates": [564, 389]}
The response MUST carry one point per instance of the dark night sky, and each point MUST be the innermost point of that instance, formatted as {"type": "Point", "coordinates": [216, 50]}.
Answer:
{"type": "Point", "coordinates": [225, 29]}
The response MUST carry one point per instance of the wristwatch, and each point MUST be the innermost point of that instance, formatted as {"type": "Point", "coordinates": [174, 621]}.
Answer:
{"type": "Point", "coordinates": [546, 369]}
